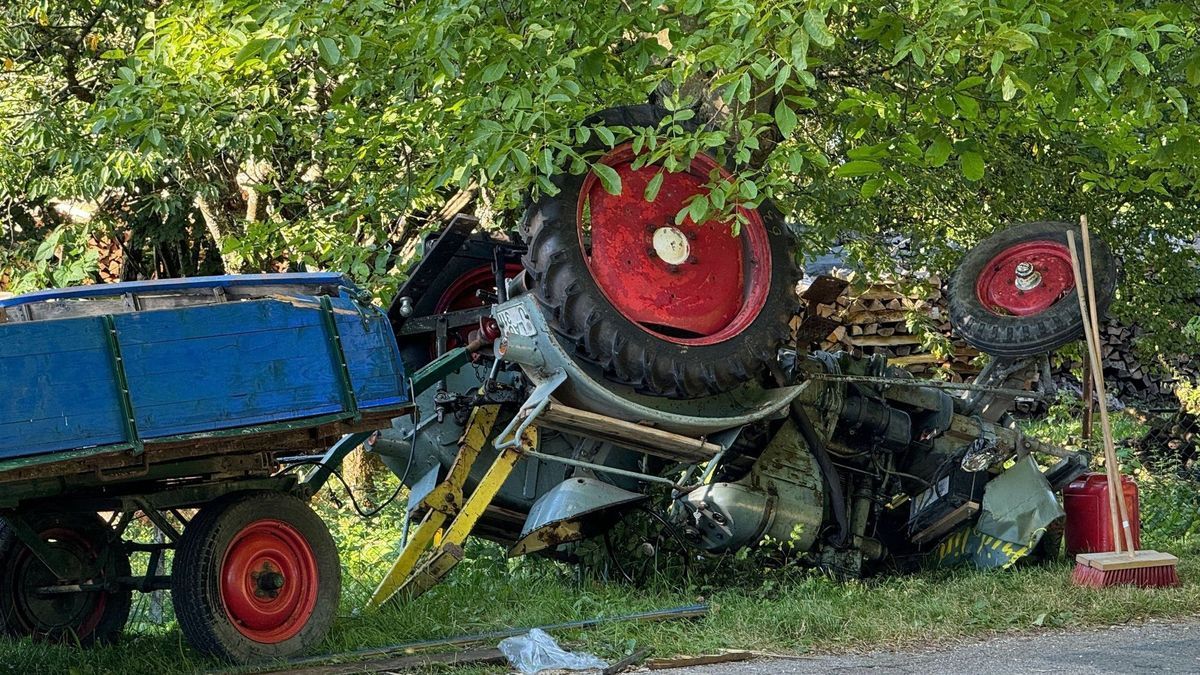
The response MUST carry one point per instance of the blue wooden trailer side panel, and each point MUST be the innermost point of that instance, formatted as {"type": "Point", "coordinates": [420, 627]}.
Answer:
{"type": "Point", "coordinates": [58, 387]}
{"type": "Point", "coordinates": [192, 370]}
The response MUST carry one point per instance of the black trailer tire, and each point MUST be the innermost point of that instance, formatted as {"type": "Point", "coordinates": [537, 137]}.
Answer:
{"type": "Point", "coordinates": [85, 544]}
{"type": "Point", "coordinates": [632, 350]}
{"type": "Point", "coordinates": [256, 577]}
{"type": "Point", "coordinates": [993, 315]}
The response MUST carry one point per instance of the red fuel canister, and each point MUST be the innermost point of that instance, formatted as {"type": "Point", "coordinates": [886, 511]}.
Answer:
{"type": "Point", "coordinates": [1088, 528]}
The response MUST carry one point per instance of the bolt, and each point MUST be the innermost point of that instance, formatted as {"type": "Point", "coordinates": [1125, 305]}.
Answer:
{"type": "Point", "coordinates": [692, 260]}
{"type": "Point", "coordinates": [1028, 277]}
{"type": "Point", "coordinates": [673, 269]}
{"type": "Point", "coordinates": [651, 252]}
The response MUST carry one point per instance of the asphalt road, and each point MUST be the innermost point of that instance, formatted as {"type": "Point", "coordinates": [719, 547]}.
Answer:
{"type": "Point", "coordinates": [1147, 648]}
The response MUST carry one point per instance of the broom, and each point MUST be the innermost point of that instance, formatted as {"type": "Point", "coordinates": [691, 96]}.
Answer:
{"type": "Point", "coordinates": [1147, 569]}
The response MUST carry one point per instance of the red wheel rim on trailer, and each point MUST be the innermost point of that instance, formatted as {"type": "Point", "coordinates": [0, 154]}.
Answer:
{"type": "Point", "coordinates": [42, 614]}
{"type": "Point", "coordinates": [269, 581]}
{"type": "Point", "coordinates": [1026, 279]}
{"type": "Point", "coordinates": [689, 283]}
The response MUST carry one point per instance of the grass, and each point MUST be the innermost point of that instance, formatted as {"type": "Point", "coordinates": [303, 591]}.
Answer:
{"type": "Point", "coordinates": [792, 612]}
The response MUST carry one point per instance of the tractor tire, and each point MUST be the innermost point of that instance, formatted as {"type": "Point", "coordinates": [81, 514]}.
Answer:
{"type": "Point", "coordinates": [681, 310]}
{"type": "Point", "coordinates": [256, 577]}
{"type": "Point", "coordinates": [86, 545]}
{"type": "Point", "coordinates": [1005, 311]}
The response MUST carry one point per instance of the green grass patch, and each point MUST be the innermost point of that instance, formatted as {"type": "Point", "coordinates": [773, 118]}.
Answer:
{"type": "Point", "coordinates": [786, 611]}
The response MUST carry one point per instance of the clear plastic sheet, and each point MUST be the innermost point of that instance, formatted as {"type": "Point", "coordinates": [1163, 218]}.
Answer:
{"type": "Point", "coordinates": [536, 651]}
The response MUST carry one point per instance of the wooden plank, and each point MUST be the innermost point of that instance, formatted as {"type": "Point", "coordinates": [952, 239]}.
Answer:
{"type": "Point", "coordinates": [1124, 561]}
{"type": "Point", "coordinates": [884, 340]}
{"type": "Point", "coordinates": [627, 434]}
{"type": "Point", "coordinates": [946, 522]}
{"type": "Point", "coordinates": [731, 656]}
{"type": "Point", "coordinates": [915, 359]}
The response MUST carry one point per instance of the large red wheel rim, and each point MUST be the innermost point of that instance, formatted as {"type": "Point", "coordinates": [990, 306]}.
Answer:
{"type": "Point", "coordinates": [689, 283]}
{"type": "Point", "coordinates": [269, 581]}
{"type": "Point", "coordinates": [77, 614]}
{"type": "Point", "coordinates": [1026, 279]}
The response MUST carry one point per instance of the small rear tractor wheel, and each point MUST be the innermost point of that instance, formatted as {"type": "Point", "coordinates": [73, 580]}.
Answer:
{"type": "Point", "coordinates": [256, 577]}
{"type": "Point", "coordinates": [86, 549]}
{"type": "Point", "coordinates": [1014, 295]}
{"type": "Point", "coordinates": [677, 309]}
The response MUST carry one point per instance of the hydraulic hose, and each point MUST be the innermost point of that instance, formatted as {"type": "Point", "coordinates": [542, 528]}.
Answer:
{"type": "Point", "coordinates": [829, 472]}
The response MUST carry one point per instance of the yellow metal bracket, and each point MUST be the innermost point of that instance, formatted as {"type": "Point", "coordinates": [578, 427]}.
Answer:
{"type": "Point", "coordinates": [407, 581]}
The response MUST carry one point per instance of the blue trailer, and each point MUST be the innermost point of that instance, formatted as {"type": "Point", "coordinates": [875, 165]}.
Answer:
{"type": "Point", "coordinates": [177, 399]}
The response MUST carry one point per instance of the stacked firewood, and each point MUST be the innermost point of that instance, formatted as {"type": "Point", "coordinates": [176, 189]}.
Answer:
{"type": "Point", "coordinates": [1135, 379]}
{"type": "Point", "coordinates": [900, 324]}
{"type": "Point", "coordinates": [111, 258]}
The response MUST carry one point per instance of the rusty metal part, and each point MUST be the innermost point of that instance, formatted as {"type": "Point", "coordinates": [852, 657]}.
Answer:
{"type": "Point", "coordinates": [932, 384]}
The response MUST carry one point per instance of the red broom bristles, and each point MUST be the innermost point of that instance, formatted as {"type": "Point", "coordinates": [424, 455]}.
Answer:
{"type": "Point", "coordinates": [1162, 576]}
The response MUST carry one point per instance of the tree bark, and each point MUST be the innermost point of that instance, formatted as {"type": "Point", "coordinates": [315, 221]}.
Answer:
{"type": "Point", "coordinates": [216, 229]}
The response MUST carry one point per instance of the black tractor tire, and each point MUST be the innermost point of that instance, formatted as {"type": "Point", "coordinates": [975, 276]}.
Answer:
{"type": "Point", "coordinates": [207, 555]}
{"type": "Point", "coordinates": [626, 353]}
{"type": "Point", "coordinates": [86, 545]}
{"type": "Point", "coordinates": [1011, 336]}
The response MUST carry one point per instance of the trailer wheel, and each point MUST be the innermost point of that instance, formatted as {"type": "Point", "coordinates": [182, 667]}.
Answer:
{"type": "Point", "coordinates": [674, 309]}
{"type": "Point", "coordinates": [89, 552]}
{"type": "Point", "coordinates": [256, 576]}
{"type": "Point", "coordinates": [1013, 295]}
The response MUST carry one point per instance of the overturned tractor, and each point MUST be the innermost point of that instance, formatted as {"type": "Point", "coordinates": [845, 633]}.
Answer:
{"type": "Point", "coordinates": [604, 357]}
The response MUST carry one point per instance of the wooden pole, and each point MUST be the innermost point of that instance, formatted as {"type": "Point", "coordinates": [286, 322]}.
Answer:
{"type": "Point", "coordinates": [1108, 442]}
{"type": "Point", "coordinates": [1092, 355]}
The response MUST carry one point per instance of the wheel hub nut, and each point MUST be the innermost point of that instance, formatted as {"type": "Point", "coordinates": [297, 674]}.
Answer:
{"type": "Point", "coordinates": [1028, 277]}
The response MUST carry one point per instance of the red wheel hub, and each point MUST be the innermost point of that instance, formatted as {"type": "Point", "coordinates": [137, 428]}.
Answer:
{"type": "Point", "coordinates": [464, 294]}
{"type": "Point", "coordinates": [691, 283]}
{"type": "Point", "coordinates": [1026, 279]}
{"type": "Point", "coordinates": [269, 581]}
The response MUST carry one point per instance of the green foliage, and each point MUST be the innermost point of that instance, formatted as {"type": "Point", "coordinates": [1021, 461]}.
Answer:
{"type": "Point", "coordinates": [349, 120]}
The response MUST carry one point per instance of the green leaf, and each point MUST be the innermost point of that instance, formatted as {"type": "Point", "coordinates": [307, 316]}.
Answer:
{"type": "Point", "coordinates": [972, 165]}
{"type": "Point", "coordinates": [1094, 82]}
{"type": "Point", "coordinates": [1008, 89]}
{"type": "Point", "coordinates": [1140, 62]}
{"type": "Point", "coordinates": [1178, 99]}
{"type": "Point", "coordinates": [606, 135]}
{"type": "Point", "coordinates": [493, 71]}
{"type": "Point", "coordinates": [814, 25]}
{"type": "Point", "coordinates": [653, 187]}
{"type": "Point", "coordinates": [967, 105]}
{"type": "Point", "coordinates": [858, 167]}
{"type": "Point", "coordinates": [251, 50]}
{"type": "Point", "coordinates": [785, 119]}
{"type": "Point", "coordinates": [997, 61]}
{"type": "Point", "coordinates": [870, 187]}
{"type": "Point", "coordinates": [698, 209]}
{"type": "Point", "coordinates": [938, 151]}
{"type": "Point", "coordinates": [329, 51]}
{"type": "Point", "coordinates": [608, 178]}
{"type": "Point", "coordinates": [353, 46]}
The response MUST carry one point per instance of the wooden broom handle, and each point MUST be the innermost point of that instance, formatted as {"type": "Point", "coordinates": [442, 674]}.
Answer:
{"type": "Point", "coordinates": [1091, 288]}
{"type": "Point", "coordinates": [1092, 358]}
